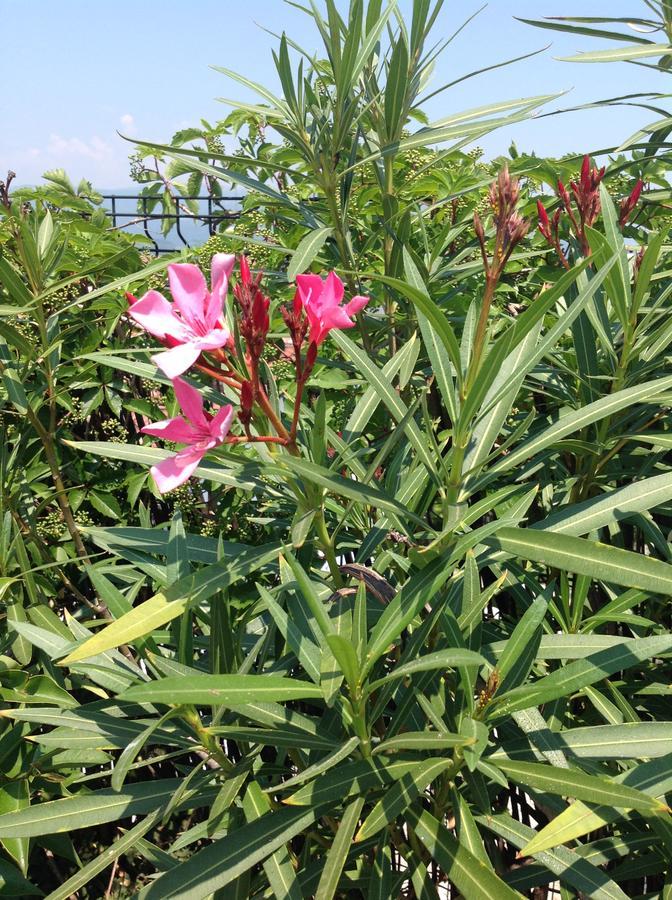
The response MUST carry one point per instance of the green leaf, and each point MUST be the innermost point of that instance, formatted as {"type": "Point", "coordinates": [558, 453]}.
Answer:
{"type": "Point", "coordinates": [418, 590]}
{"type": "Point", "coordinates": [150, 456]}
{"type": "Point", "coordinates": [422, 740]}
{"type": "Point", "coordinates": [567, 865]}
{"type": "Point", "coordinates": [653, 777]}
{"type": "Point", "coordinates": [346, 658]}
{"type": "Point", "coordinates": [440, 659]}
{"type": "Point", "coordinates": [127, 842]}
{"type": "Point", "coordinates": [222, 690]}
{"type": "Point", "coordinates": [572, 783]}
{"type": "Point", "coordinates": [607, 509]}
{"type": "Point", "coordinates": [332, 759]}
{"type": "Point", "coordinates": [166, 605]}
{"type": "Point", "coordinates": [618, 54]}
{"type": "Point", "coordinates": [580, 419]}
{"type": "Point", "coordinates": [401, 795]}
{"type": "Point", "coordinates": [224, 860]}
{"type": "Point", "coordinates": [278, 867]}
{"type": "Point", "coordinates": [580, 673]}
{"type": "Point", "coordinates": [416, 291]}
{"type": "Point", "coordinates": [307, 250]}
{"type": "Point", "coordinates": [387, 394]}
{"type": "Point", "coordinates": [346, 487]}
{"type": "Point", "coordinates": [98, 807]}
{"type": "Point", "coordinates": [14, 797]}
{"type": "Point", "coordinates": [12, 884]}
{"type": "Point", "coordinates": [337, 853]}
{"type": "Point", "coordinates": [472, 877]}
{"type": "Point", "coordinates": [598, 561]}
{"type": "Point", "coordinates": [355, 777]}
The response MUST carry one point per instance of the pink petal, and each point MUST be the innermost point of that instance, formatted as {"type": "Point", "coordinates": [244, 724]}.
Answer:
{"type": "Point", "coordinates": [336, 317]}
{"type": "Point", "coordinates": [221, 267]}
{"type": "Point", "coordinates": [310, 288]}
{"type": "Point", "coordinates": [333, 290]}
{"type": "Point", "coordinates": [356, 305]}
{"type": "Point", "coordinates": [191, 402]}
{"type": "Point", "coordinates": [218, 337]}
{"type": "Point", "coordinates": [174, 471]}
{"type": "Point", "coordinates": [155, 314]}
{"type": "Point", "coordinates": [178, 359]}
{"type": "Point", "coordinates": [176, 429]}
{"type": "Point", "coordinates": [219, 427]}
{"type": "Point", "coordinates": [189, 290]}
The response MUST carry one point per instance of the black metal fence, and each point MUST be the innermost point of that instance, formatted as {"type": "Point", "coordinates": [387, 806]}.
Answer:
{"type": "Point", "coordinates": [131, 211]}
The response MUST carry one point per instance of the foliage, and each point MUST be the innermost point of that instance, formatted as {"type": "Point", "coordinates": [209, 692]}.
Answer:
{"type": "Point", "coordinates": [426, 634]}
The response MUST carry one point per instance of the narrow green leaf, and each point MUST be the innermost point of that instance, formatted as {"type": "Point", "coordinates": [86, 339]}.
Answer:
{"type": "Point", "coordinates": [222, 690]}
{"type": "Point", "coordinates": [307, 250]}
{"type": "Point", "coordinates": [166, 605]}
{"type": "Point", "coordinates": [400, 796]}
{"type": "Point", "coordinates": [572, 783]}
{"type": "Point", "coordinates": [98, 807]}
{"type": "Point", "coordinates": [472, 877]}
{"type": "Point", "coordinates": [337, 853]}
{"type": "Point", "coordinates": [582, 672]}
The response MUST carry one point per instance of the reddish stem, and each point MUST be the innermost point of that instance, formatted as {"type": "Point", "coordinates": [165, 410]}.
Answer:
{"type": "Point", "coordinates": [256, 439]}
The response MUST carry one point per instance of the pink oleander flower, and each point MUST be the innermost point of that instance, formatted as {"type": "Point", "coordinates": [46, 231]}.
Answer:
{"type": "Point", "coordinates": [321, 301]}
{"type": "Point", "coordinates": [194, 321]}
{"type": "Point", "coordinates": [199, 430]}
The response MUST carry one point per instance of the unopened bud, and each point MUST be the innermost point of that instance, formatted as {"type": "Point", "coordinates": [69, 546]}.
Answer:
{"type": "Point", "coordinates": [311, 356]}
{"type": "Point", "coordinates": [629, 203]}
{"type": "Point", "coordinates": [478, 228]}
{"type": "Point", "coordinates": [563, 193]}
{"type": "Point", "coordinates": [245, 276]}
{"type": "Point", "coordinates": [544, 224]}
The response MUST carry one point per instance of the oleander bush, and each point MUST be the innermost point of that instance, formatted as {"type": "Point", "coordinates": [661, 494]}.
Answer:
{"type": "Point", "coordinates": [336, 553]}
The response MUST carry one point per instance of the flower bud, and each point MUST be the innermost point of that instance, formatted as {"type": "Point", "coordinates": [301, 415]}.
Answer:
{"type": "Point", "coordinates": [628, 204]}
{"type": "Point", "coordinates": [311, 356]}
{"type": "Point", "coordinates": [544, 224]}
{"type": "Point", "coordinates": [245, 276]}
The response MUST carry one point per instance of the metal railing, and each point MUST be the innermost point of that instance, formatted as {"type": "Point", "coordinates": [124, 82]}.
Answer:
{"type": "Point", "coordinates": [214, 213]}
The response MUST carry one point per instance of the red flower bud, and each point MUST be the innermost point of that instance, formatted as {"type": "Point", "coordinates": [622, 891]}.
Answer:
{"type": "Point", "coordinates": [585, 173]}
{"type": "Point", "coordinates": [544, 224]}
{"type": "Point", "coordinates": [246, 395]}
{"type": "Point", "coordinates": [131, 298]}
{"type": "Point", "coordinates": [563, 193]}
{"type": "Point", "coordinates": [628, 204]}
{"type": "Point", "coordinates": [311, 356]}
{"type": "Point", "coordinates": [246, 402]}
{"type": "Point", "coordinates": [260, 319]}
{"type": "Point", "coordinates": [245, 276]}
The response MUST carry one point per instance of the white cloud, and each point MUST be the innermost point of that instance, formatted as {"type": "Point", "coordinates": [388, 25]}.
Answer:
{"type": "Point", "coordinates": [104, 161]}
{"type": "Point", "coordinates": [95, 148]}
{"type": "Point", "coordinates": [128, 123]}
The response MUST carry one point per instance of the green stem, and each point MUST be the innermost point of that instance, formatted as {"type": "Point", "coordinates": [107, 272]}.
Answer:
{"type": "Point", "coordinates": [359, 723]}
{"type": "Point", "coordinates": [208, 741]}
{"type": "Point", "coordinates": [327, 545]}
{"type": "Point", "coordinates": [481, 329]}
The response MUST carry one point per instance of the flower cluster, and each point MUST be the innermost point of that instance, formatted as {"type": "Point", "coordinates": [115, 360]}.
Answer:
{"type": "Point", "coordinates": [510, 226]}
{"type": "Point", "coordinates": [193, 330]}
{"type": "Point", "coordinates": [581, 205]}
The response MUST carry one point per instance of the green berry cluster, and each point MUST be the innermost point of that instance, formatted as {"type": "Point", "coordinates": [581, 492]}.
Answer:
{"type": "Point", "coordinates": [114, 431]}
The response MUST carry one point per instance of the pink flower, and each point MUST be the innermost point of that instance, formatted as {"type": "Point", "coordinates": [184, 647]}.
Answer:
{"type": "Point", "coordinates": [321, 301]}
{"type": "Point", "coordinates": [192, 323]}
{"type": "Point", "coordinates": [197, 429]}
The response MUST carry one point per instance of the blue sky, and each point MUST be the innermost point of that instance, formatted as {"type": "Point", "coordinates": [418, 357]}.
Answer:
{"type": "Point", "coordinates": [76, 71]}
